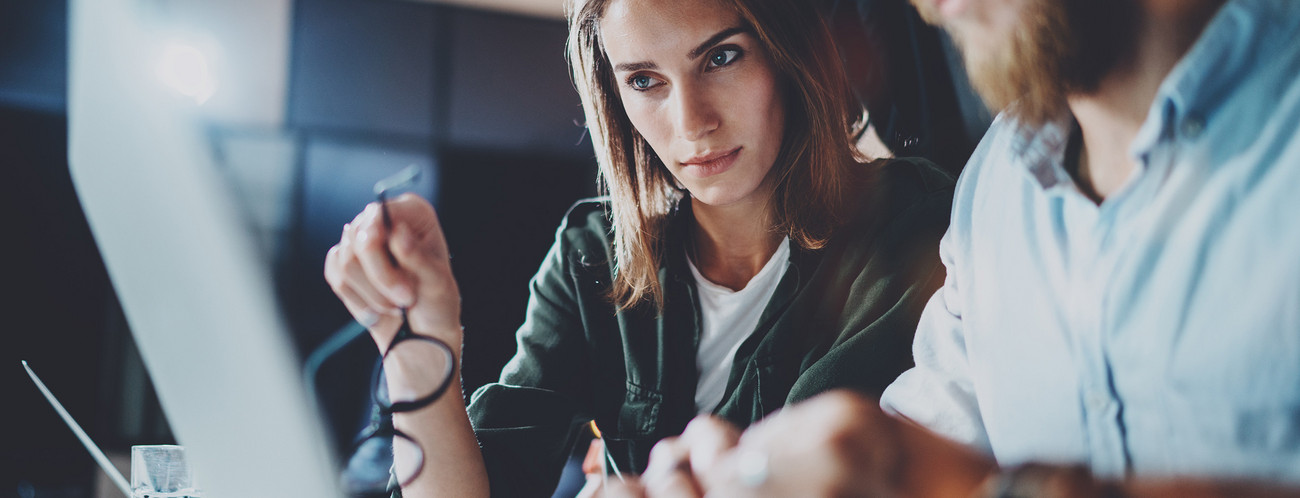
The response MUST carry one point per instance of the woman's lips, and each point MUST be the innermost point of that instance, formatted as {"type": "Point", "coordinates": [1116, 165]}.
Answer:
{"type": "Point", "coordinates": [712, 164]}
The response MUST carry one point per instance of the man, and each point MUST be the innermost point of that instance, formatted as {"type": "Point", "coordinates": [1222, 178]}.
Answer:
{"type": "Point", "coordinates": [1121, 315]}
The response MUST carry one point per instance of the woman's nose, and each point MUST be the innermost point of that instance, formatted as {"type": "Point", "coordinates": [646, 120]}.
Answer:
{"type": "Point", "coordinates": [696, 113]}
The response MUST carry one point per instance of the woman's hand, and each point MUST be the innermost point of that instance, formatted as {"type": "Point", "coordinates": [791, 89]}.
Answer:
{"type": "Point", "coordinates": [361, 272]}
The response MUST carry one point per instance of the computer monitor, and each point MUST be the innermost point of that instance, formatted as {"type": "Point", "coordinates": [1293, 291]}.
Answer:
{"type": "Point", "coordinates": [187, 270]}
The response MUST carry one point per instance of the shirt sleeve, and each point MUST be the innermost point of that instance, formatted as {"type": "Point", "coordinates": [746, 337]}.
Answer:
{"type": "Point", "coordinates": [526, 423]}
{"type": "Point", "coordinates": [938, 391]}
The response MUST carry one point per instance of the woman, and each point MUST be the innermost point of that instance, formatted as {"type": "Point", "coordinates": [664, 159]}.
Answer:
{"type": "Point", "coordinates": [744, 258]}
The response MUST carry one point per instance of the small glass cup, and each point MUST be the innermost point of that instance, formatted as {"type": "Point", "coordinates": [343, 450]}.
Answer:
{"type": "Point", "coordinates": [161, 471]}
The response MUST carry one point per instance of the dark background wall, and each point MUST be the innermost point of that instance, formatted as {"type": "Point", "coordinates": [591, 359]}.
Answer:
{"type": "Point", "coordinates": [57, 304]}
{"type": "Point", "coordinates": [482, 101]}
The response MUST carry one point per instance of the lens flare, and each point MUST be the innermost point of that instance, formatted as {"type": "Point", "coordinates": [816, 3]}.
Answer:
{"type": "Point", "coordinates": [186, 69]}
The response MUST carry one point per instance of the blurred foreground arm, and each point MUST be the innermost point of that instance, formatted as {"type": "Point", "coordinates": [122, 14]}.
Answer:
{"type": "Point", "coordinates": [836, 444]}
{"type": "Point", "coordinates": [842, 445]}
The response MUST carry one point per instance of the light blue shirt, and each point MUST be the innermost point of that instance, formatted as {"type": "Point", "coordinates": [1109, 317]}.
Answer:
{"type": "Point", "coordinates": [1157, 334]}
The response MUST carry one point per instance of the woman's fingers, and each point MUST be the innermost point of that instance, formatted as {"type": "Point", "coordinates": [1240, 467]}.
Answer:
{"type": "Point", "coordinates": [708, 439]}
{"type": "Point", "coordinates": [382, 325]}
{"type": "Point", "coordinates": [371, 246]}
{"type": "Point", "coordinates": [666, 457]}
{"type": "Point", "coordinates": [350, 273]}
{"type": "Point", "coordinates": [669, 471]}
{"type": "Point", "coordinates": [677, 464]}
{"type": "Point", "coordinates": [437, 306]}
{"type": "Point", "coordinates": [417, 241]}
{"type": "Point", "coordinates": [383, 265]}
{"type": "Point", "coordinates": [679, 484]}
{"type": "Point", "coordinates": [360, 311]}
{"type": "Point", "coordinates": [836, 444]}
{"type": "Point", "coordinates": [613, 488]}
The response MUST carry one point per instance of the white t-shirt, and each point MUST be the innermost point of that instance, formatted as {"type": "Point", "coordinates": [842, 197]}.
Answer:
{"type": "Point", "coordinates": [728, 318]}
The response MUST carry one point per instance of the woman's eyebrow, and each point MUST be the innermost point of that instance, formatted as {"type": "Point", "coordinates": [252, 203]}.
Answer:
{"type": "Point", "coordinates": [693, 54]}
{"type": "Point", "coordinates": [635, 66]}
{"type": "Point", "coordinates": [714, 40]}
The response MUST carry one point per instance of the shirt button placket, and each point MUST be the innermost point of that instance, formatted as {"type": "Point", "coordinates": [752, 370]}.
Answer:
{"type": "Point", "coordinates": [1104, 432]}
{"type": "Point", "coordinates": [1097, 401]}
{"type": "Point", "coordinates": [1107, 439]}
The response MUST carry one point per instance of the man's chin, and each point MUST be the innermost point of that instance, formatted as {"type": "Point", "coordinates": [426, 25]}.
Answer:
{"type": "Point", "coordinates": [1056, 48]}
{"type": "Point", "coordinates": [1020, 72]}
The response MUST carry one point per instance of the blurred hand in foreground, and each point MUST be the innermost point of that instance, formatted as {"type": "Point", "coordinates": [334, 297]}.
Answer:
{"type": "Point", "coordinates": [838, 444]}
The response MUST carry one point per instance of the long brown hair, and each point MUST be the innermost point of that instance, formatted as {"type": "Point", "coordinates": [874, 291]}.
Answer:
{"type": "Point", "coordinates": [810, 170]}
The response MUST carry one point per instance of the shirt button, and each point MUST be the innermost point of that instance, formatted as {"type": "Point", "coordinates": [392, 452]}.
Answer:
{"type": "Point", "coordinates": [1192, 127]}
{"type": "Point", "coordinates": [1097, 401]}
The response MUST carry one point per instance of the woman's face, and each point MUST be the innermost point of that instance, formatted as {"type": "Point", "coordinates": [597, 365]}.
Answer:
{"type": "Point", "coordinates": [701, 90]}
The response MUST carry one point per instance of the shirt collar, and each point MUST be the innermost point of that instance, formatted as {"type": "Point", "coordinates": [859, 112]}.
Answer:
{"type": "Point", "coordinates": [1227, 50]}
{"type": "Point", "coordinates": [1041, 149]}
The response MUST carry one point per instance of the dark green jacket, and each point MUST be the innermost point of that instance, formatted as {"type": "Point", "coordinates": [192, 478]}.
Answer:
{"type": "Point", "coordinates": [842, 316]}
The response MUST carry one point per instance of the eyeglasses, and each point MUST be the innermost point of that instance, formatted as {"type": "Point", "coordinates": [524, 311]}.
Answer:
{"type": "Point", "coordinates": [426, 365]}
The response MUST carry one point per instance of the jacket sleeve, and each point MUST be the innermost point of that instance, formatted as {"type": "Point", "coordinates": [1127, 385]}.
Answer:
{"type": "Point", "coordinates": [526, 423]}
{"type": "Point", "coordinates": [888, 274]}
{"type": "Point", "coordinates": [938, 392]}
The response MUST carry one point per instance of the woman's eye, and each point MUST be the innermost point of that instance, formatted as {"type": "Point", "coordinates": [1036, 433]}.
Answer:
{"type": "Point", "coordinates": [723, 57]}
{"type": "Point", "coordinates": [641, 82]}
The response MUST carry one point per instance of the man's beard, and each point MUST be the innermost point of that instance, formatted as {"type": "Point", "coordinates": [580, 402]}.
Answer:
{"type": "Point", "coordinates": [1057, 49]}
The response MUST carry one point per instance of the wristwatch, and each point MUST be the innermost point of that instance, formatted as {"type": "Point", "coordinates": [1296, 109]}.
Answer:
{"type": "Point", "coordinates": [1034, 480]}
